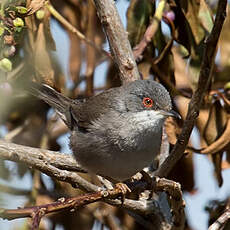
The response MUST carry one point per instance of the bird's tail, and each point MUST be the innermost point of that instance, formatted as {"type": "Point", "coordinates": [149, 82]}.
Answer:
{"type": "Point", "coordinates": [55, 99]}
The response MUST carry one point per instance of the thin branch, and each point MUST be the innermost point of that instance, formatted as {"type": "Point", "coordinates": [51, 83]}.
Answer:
{"type": "Point", "coordinates": [118, 40]}
{"type": "Point", "coordinates": [37, 212]}
{"type": "Point", "coordinates": [74, 30]}
{"type": "Point", "coordinates": [175, 199]}
{"type": "Point", "coordinates": [151, 30]}
{"type": "Point", "coordinates": [197, 98]}
{"type": "Point", "coordinates": [143, 208]}
{"type": "Point", "coordinates": [221, 221]}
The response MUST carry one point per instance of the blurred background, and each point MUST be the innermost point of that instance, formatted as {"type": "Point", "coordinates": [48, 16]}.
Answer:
{"type": "Point", "coordinates": [40, 47]}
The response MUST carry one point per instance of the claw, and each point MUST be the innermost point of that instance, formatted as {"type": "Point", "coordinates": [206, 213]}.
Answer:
{"type": "Point", "coordinates": [124, 189]}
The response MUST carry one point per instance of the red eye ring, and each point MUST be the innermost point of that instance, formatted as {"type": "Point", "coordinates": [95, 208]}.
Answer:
{"type": "Point", "coordinates": [147, 102]}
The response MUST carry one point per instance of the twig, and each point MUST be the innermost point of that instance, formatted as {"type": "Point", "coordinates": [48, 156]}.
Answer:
{"type": "Point", "coordinates": [197, 98]}
{"type": "Point", "coordinates": [172, 188]}
{"type": "Point", "coordinates": [169, 44]}
{"type": "Point", "coordinates": [37, 212]}
{"type": "Point", "coordinates": [74, 30]}
{"type": "Point", "coordinates": [221, 221]}
{"type": "Point", "coordinates": [175, 199]}
{"type": "Point", "coordinates": [118, 40]}
{"type": "Point", "coordinates": [151, 31]}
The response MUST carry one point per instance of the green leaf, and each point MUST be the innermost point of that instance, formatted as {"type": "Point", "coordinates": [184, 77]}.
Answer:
{"type": "Point", "coordinates": [21, 9]}
{"type": "Point", "coordinates": [6, 65]}
{"type": "Point", "coordinates": [18, 22]}
{"type": "Point", "coordinates": [1, 30]}
{"type": "Point", "coordinates": [205, 16]}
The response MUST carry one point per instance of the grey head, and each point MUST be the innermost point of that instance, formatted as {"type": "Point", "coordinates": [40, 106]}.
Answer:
{"type": "Point", "coordinates": [147, 95]}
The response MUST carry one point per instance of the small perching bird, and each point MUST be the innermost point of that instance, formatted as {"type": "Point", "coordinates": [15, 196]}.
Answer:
{"type": "Point", "coordinates": [117, 132]}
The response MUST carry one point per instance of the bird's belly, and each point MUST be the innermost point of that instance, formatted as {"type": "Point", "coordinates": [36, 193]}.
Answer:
{"type": "Point", "coordinates": [119, 165]}
{"type": "Point", "coordinates": [118, 158]}
{"type": "Point", "coordinates": [126, 164]}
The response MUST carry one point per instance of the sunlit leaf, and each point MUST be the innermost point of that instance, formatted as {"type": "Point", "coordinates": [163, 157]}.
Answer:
{"type": "Point", "coordinates": [205, 16]}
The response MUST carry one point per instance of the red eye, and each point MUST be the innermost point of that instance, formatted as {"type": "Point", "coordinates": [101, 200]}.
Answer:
{"type": "Point", "coordinates": [148, 102]}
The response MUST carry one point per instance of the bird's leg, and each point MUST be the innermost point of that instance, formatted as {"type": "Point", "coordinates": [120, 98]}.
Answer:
{"type": "Point", "coordinates": [124, 189]}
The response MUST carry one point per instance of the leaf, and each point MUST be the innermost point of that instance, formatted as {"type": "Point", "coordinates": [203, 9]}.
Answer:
{"type": "Point", "coordinates": [42, 63]}
{"type": "Point", "coordinates": [190, 9]}
{"type": "Point", "coordinates": [214, 128]}
{"type": "Point", "coordinates": [205, 16]}
{"type": "Point", "coordinates": [167, 60]}
{"type": "Point", "coordinates": [138, 17]}
{"type": "Point", "coordinates": [224, 45]}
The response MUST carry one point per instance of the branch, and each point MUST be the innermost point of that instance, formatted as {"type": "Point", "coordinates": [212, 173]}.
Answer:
{"type": "Point", "coordinates": [37, 212]}
{"type": "Point", "coordinates": [34, 156]}
{"type": "Point", "coordinates": [48, 162]}
{"type": "Point", "coordinates": [151, 31]}
{"type": "Point", "coordinates": [197, 98]}
{"type": "Point", "coordinates": [137, 207]}
{"type": "Point", "coordinates": [221, 221]}
{"type": "Point", "coordinates": [74, 30]}
{"type": "Point", "coordinates": [118, 40]}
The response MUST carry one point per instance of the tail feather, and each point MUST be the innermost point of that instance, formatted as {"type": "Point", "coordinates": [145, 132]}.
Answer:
{"type": "Point", "coordinates": [55, 99]}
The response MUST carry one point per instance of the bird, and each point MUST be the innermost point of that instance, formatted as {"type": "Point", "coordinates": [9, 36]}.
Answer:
{"type": "Point", "coordinates": [116, 133]}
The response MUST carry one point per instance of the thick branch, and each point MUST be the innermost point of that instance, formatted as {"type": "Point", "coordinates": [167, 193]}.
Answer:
{"type": "Point", "coordinates": [197, 98]}
{"type": "Point", "coordinates": [118, 40]}
{"type": "Point", "coordinates": [47, 162]}
{"type": "Point", "coordinates": [30, 156]}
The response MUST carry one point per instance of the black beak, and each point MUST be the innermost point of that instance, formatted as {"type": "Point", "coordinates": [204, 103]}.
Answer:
{"type": "Point", "coordinates": [171, 113]}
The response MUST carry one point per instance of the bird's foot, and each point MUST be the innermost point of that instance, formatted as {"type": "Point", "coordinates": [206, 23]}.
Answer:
{"type": "Point", "coordinates": [123, 189]}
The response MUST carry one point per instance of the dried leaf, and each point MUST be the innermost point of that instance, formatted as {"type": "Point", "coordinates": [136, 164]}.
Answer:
{"type": "Point", "coordinates": [42, 63]}
{"type": "Point", "coordinates": [50, 43]}
{"type": "Point", "coordinates": [190, 9]}
{"type": "Point", "coordinates": [224, 45]}
{"type": "Point", "coordinates": [75, 56]}
{"type": "Point", "coordinates": [214, 128]}
{"type": "Point", "coordinates": [205, 16]}
{"type": "Point", "coordinates": [167, 59]}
